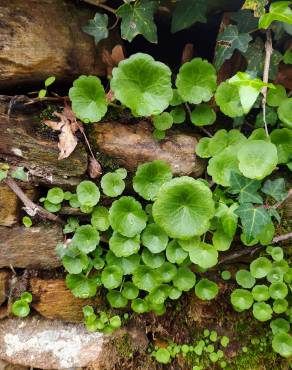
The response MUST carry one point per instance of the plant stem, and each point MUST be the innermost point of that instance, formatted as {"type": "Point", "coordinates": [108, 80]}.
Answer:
{"type": "Point", "coordinates": [199, 127]}
{"type": "Point", "coordinates": [280, 238]}
{"type": "Point", "coordinates": [30, 207]}
{"type": "Point", "coordinates": [269, 51]}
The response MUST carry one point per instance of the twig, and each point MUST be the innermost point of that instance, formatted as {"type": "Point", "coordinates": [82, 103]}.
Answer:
{"type": "Point", "coordinates": [46, 98]}
{"type": "Point", "coordinates": [100, 5]}
{"type": "Point", "coordinates": [280, 238]}
{"type": "Point", "coordinates": [199, 127]}
{"type": "Point", "coordinates": [30, 207]}
{"type": "Point", "coordinates": [269, 51]}
{"type": "Point", "coordinates": [277, 205]}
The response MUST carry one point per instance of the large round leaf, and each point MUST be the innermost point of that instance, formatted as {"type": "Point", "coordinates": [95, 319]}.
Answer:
{"type": "Point", "coordinates": [257, 159]}
{"type": "Point", "coordinates": [284, 112]}
{"type": "Point", "coordinates": [150, 177]}
{"type": "Point", "coordinates": [183, 207]}
{"type": "Point", "coordinates": [127, 216]}
{"type": "Point", "coordinates": [142, 84]}
{"type": "Point", "coordinates": [175, 253]}
{"type": "Point", "coordinates": [282, 138]}
{"type": "Point", "coordinates": [111, 277]}
{"type": "Point", "coordinates": [81, 286]}
{"type": "Point", "coordinates": [145, 278]}
{"type": "Point", "coordinates": [196, 81]}
{"type": "Point", "coordinates": [282, 344]}
{"type": "Point", "coordinates": [205, 255]}
{"type": "Point", "coordinates": [87, 193]}
{"type": "Point", "coordinates": [228, 100]}
{"type": "Point", "coordinates": [112, 184]}
{"type": "Point", "coordinates": [85, 238]}
{"type": "Point", "coordinates": [123, 246]}
{"type": "Point", "coordinates": [88, 99]}
{"type": "Point", "coordinates": [206, 289]}
{"type": "Point", "coordinates": [184, 279]}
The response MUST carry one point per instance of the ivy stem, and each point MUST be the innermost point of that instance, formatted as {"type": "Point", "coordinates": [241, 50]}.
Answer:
{"type": "Point", "coordinates": [100, 5]}
{"type": "Point", "coordinates": [269, 52]}
{"type": "Point", "coordinates": [280, 238]}
{"type": "Point", "coordinates": [30, 207]}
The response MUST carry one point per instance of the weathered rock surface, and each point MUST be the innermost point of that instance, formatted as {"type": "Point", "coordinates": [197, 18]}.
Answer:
{"type": "Point", "coordinates": [5, 276]}
{"type": "Point", "coordinates": [39, 39]}
{"type": "Point", "coordinates": [131, 145]}
{"type": "Point", "coordinates": [48, 344]}
{"type": "Point", "coordinates": [23, 143]}
{"type": "Point", "coordinates": [32, 247]}
{"type": "Point", "coordinates": [53, 300]}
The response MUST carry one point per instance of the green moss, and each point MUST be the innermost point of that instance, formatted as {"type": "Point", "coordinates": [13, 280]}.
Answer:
{"type": "Point", "coordinates": [122, 345]}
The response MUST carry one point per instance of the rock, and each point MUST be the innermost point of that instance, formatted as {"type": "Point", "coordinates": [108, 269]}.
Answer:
{"type": "Point", "coordinates": [30, 54]}
{"type": "Point", "coordinates": [131, 145]}
{"type": "Point", "coordinates": [32, 247]}
{"type": "Point", "coordinates": [53, 300]}
{"type": "Point", "coordinates": [24, 142]}
{"type": "Point", "coordinates": [6, 366]}
{"type": "Point", "coordinates": [10, 205]}
{"type": "Point", "coordinates": [48, 344]}
{"type": "Point", "coordinates": [5, 276]}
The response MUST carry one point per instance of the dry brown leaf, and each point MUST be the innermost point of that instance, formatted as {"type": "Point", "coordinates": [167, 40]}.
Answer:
{"type": "Point", "coordinates": [94, 168]}
{"type": "Point", "coordinates": [188, 53]}
{"type": "Point", "coordinates": [112, 59]}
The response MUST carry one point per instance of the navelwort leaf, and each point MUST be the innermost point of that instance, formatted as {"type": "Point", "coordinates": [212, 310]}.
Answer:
{"type": "Point", "coordinates": [88, 99]}
{"type": "Point", "coordinates": [179, 210]}
{"type": "Point", "coordinates": [142, 84]}
{"type": "Point", "coordinates": [228, 99]}
{"type": "Point", "coordinates": [123, 246]}
{"type": "Point", "coordinates": [196, 81]}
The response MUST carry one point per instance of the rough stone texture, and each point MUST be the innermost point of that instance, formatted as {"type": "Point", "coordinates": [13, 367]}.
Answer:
{"type": "Point", "coordinates": [53, 300]}
{"type": "Point", "coordinates": [131, 145]}
{"type": "Point", "coordinates": [5, 276]}
{"type": "Point", "coordinates": [48, 344]}
{"type": "Point", "coordinates": [44, 38]}
{"type": "Point", "coordinates": [24, 143]}
{"type": "Point", "coordinates": [32, 247]}
{"type": "Point", "coordinates": [6, 366]}
{"type": "Point", "coordinates": [10, 205]}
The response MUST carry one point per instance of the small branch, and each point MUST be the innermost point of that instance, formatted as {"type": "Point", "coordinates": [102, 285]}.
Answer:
{"type": "Point", "coordinates": [30, 207]}
{"type": "Point", "coordinates": [277, 205]}
{"type": "Point", "coordinates": [100, 5]}
{"type": "Point", "coordinates": [281, 238]}
{"type": "Point", "coordinates": [46, 98]}
{"type": "Point", "coordinates": [240, 253]}
{"type": "Point", "coordinates": [269, 51]}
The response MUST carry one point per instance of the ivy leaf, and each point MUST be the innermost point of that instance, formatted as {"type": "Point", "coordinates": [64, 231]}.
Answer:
{"type": "Point", "coordinates": [228, 42]}
{"type": "Point", "coordinates": [276, 189]}
{"type": "Point", "coordinates": [88, 99]}
{"type": "Point", "coordinates": [246, 22]}
{"type": "Point", "coordinates": [246, 188]}
{"type": "Point", "coordinates": [138, 19]}
{"type": "Point", "coordinates": [253, 219]}
{"type": "Point", "coordinates": [97, 27]}
{"type": "Point", "coordinates": [196, 81]}
{"type": "Point", "coordinates": [142, 84]}
{"type": "Point", "coordinates": [186, 13]}
{"type": "Point", "coordinates": [279, 11]}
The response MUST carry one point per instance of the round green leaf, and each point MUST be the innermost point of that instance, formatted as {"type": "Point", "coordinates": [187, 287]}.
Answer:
{"type": "Point", "coordinates": [75, 265]}
{"type": "Point", "coordinates": [81, 286]}
{"type": "Point", "coordinates": [146, 278]}
{"type": "Point", "coordinates": [87, 193]}
{"type": "Point", "coordinates": [190, 244]}
{"type": "Point", "coordinates": [257, 159]}
{"type": "Point", "coordinates": [276, 96]}
{"type": "Point", "coordinates": [122, 172]}
{"type": "Point", "coordinates": [85, 238]}
{"type": "Point", "coordinates": [20, 308]}
{"type": "Point", "coordinates": [100, 218]}
{"type": "Point", "coordinates": [88, 99]}
{"type": "Point", "coordinates": [142, 84]}
{"type": "Point", "coordinates": [130, 291]}
{"type": "Point", "coordinates": [284, 112]}
{"type": "Point", "coordinates": [55, 195]}
{"type": "Point", "coordinates": [179, 209]}
{"type": "Point", "coordinates": [152, 260]}
{"type": "Point", "coordinates": [221, 240]}
{"type": "Point", "coordinates": [27, 222]}
{"type": "Point", "coordinates": [280, 326]}
{"type": "Point", "coordinates": [115, 322]}
{"type": "Point", "coordinates": [282, 138]}
{"type": "Point", "coordinates": [174, 253]}
{"type": "Point", "coordinates": [158, 295]}
{"type": "Point", "coordinates": [174, 293]}
{"type": "Point", "coordinates": [123, 246]}
{"type": "Point", "coordinates": [203, 115]}
{"type": "Point", "coordinates": [158, 134]}
{"type": "Point", "coordinates": [262, 311]}
{"type": "Point", "coordinates": [241, 299]}
{"type": "Point", "coordinates": [116, 299]}
{"type": "Point", "coordinates": [245, 279]}
{"type": "Point", "coordinates": [205, 255]}
{"type": "Point", "coordinates": [51, 207]}
{"type": "Point", "coordinates": [260, 267]}
{"type": "Point", "coordinates": [278, 290]}
{"type": "Point", "coordinates": [166, 272]}
{"type": "Point", "coordinates": [163, 121]}
{"type": "Point", "coordinates": [184, 279]}
{"type": "Point", "coordinates": [139, 305]}
{"type": "Point", "coordinates": [206, 289]}
{"type": "Point", "coordinates": [277, 253]}
{"type": "Point", "coordinates": [228, 100]}
{"type": "Point", "coordinates": [178, 115]}
{"type": "Point", "coordinates": [111, 277]}
{"type": "Point", "coordinates": [280, 306]}
{"type": "Point", "coordinates": [282, 344]}
{"type": "Point", "coordinates": [260, 293]}
{"type": "Point", "coordinates": [150, 177]}
{"type": "Point", "coordinates": [162, 356]}
{"type": "Point", "coordinates": [196, 81]}
{"type": "Point", "coordinates": [112, 184]}
{"type": "Point", "coordinates": [202, 148]}
{"type": "Point", "coordinates": [154, 238]}
{"type": "Point", "coordinates": [127, 216]}
{"type": "Point", "coordinates": [26, 297]}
